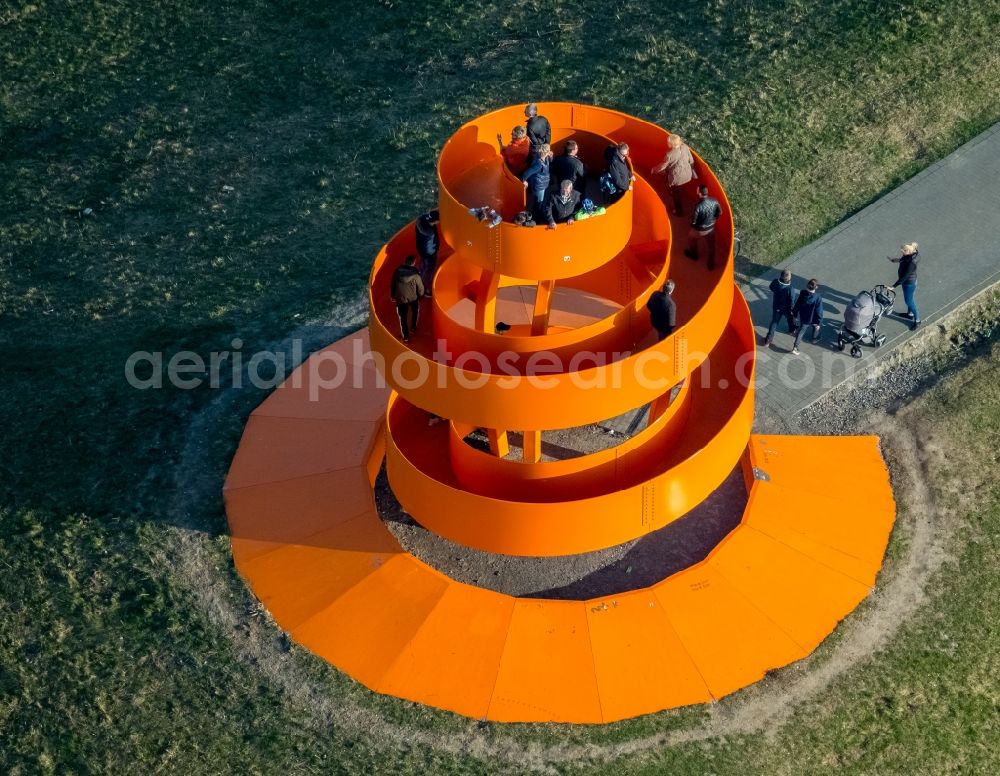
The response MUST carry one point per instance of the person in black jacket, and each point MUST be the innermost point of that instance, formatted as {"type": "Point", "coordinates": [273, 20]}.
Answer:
{"type": "Point", "coordinates": [907, 278]}
{"type": "Point", "coordinates": [809, 308]}
{"type": "Point", "coordinates": [619, 171]}
{"type": "Point", "coordinates": [663, 311]}
{"type": "Point", "coordinates": [781, 304]}
{"type": "Point", "coordinates": [428, 242]}
{"type": "Point", "coordinates": [568, 167]}
{"type": "Point", "coordinates": [539, 131]}
{"type": "Point", "coordinates": [536, 179]}
{"type": "Point", "coordinates": [562, 206]}
{"type": "Point", "coordinates": [701, 237]}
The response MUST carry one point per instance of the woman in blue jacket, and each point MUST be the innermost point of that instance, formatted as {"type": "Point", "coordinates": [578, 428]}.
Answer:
{"type": "Point", "coordinates": [536, 179]}
{"type": "Point", "coordinates": [809, 309]}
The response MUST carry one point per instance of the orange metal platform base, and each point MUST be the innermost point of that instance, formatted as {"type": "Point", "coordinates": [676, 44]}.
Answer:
{"type": "Point", "coordinates": [308, 540]}
{"type": "Point", "coordinates": [299, 496]}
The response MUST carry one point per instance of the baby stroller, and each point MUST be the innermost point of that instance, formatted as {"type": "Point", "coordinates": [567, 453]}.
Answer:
{"type": "Point", "coordinates": [861, 319]}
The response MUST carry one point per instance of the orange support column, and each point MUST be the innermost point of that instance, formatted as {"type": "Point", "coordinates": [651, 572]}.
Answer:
{"type": "Point", "coordinates": [532, 446]}
{"type": "Point", "coordinates": [499, 445]}
{"type": "Point", "coordinates": [486, 316]}
{"type": "Point", "coordinates": [486, 300]}
{"type": "Point", "coordinates": [543, 307]}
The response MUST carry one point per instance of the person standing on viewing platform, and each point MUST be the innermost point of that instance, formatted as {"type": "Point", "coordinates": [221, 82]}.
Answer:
{"type": "Point", "coordinates": [701, 237]}
{"type": "Point", "coordinates": [568, 167]}
{"type": "Point", "coordinates": [516, 152]}
{"type": "Point", "coordinates": [781, 304]}
{"type": "Point", "coordinates": [663, 311]}
{"type": "Point", "coordinates": [428, 242]}
{"type": "Point", "coordinates": [678, 166]}
{"type": "Point", "coordinates": [539, 131]}
{"type": "Point", "coordinates": [907, 279]}
{"type": "Point", "coordinates": [536, 179]}
{"type": "Point", "coordinates": [524, 218]}
{"type": "Point", "coordinates": [809, 309]}
{"type": "Point", "coordinates": [618, 174]}
{"type": "Point", "coordinates": [407, 289]}
{"type": "Point", "coordinates": [562, 205]}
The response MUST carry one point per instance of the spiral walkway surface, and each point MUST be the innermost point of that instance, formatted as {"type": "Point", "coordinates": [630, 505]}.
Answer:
{"type": "Point", "coordinates": [310, 543]}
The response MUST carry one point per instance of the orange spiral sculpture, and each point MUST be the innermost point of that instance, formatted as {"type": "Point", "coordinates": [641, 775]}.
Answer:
{"type": "Point", "coordinates": [579, 350]}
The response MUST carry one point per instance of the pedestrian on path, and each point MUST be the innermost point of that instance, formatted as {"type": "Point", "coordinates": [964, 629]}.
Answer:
{"type": "Point", "coordinates": [781, 305]}
{"type": "Point", "coordinates": [701, 237]}
{"type": "Point", "coordinates": [809, 309]}
{"type": "Point", "coordinates": [428, 242]}
{"type": "Point", "coordinates": [663, 311]}
{"type": "Point", "coordinates": [907, 279]}
{"type": "Point", "coordinates": [678, 166]}
{"type": "Point", "coordinates": [407, 289]}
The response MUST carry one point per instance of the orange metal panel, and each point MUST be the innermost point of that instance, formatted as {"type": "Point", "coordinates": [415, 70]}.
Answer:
{"type": "Point", "coordinates": [364, 533]}
{"type": "Point", "coordinates": [453, 660]}
{"type": "Point", "coordinates": [295, 581]}
{"type": "Point", "coordinates": [731, 641]}
{"type": "Point", "coordinates": [382, 613]}
{"type": "Point", "coordinates": [568, 251]}
{"type": "Point", "coordinates": [791, 461]}
{"type": "Point", "coordinates": [547, 668]}
{"type": "Point", "coordinates": [804, 597]}
{"type": "Point", "coordinates": [821, 539]}
{"type": "Point", "coordinates": [859, 525]}
{"type": "Point", "coordinates": [311, 392]}
{"type": "Point", "coordinates": [640, 663]}
{"type": "Point", "coordinates": [286, 512]}
{"type": "Point", "coordinates": [353, 349]}
{"type": "Point", "coordinates": [276, 449]}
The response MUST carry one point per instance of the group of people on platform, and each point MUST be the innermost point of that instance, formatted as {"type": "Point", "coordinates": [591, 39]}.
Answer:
{"type": "Point", "coordinates": [557, 188]}
{"type": "Point", "coordinates": [557, 185]}
{"type": "Point", "coordinates": [557, 193]}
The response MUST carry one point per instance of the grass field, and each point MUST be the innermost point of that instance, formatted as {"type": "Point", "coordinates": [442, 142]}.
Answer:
{"type": "Point", "coordinates": [120, 124]}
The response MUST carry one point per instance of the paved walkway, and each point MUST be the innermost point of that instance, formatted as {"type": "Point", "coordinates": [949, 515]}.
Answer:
{"type": "Point", "coordinates": [952, 209]}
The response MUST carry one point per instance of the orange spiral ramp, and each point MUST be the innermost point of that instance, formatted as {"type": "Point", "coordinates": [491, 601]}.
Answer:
{"type": "Point", "coordinates": [308, 539]}
{"type": "Point", "coordinates": [648, 482]}
{"type": "Point", "coordinates": [338, 581]}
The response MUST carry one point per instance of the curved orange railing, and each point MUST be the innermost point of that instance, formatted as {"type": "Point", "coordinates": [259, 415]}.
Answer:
{"type": "Point", "coordinates": [589, 357]}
